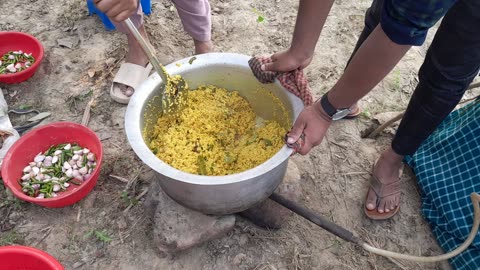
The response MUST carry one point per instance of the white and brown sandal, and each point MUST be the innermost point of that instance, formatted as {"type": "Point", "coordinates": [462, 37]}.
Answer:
{"type": "Point", "coordinates": [131, 75]}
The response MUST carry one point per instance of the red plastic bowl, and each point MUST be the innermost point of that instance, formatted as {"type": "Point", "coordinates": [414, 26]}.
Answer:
{"type": "Point", "coordinates": [26, 258]}
{"type": "Point", "coordinates": [39, 140]}
{"type": "Point", "coordinates": [15, 41]}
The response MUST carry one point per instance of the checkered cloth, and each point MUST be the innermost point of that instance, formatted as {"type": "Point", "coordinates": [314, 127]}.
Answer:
{"type": "Point", "coordinates": [293, 81]}
{"type": "Point", "coordinates": [447, 166]}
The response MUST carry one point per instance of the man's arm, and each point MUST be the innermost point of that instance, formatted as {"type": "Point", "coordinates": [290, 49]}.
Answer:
{"type": "Point", "coordinates": [374, 60]}
{"type": "Point", "coordinates": [403, 24]}
{"type": "Point", "coordinates": [311, 17]}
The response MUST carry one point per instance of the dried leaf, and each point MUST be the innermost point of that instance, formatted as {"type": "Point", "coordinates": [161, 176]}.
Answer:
{"type": "Point", "coordinates": [40, 116]}
{"type": "Point", "coordinates": [68, 42]}
{"type": "Point", "coordinates": [91, 73]}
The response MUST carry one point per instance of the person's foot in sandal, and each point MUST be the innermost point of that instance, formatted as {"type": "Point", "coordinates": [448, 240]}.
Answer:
{"type": "Point", "coordinates": [134, 71]}
{"type": "Point", "coordinates": [383, 197]}
{"type": "Point", "coordinates": [356, 111]}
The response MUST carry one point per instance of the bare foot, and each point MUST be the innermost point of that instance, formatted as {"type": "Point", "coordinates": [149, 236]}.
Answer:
{"type": "Point", "coordinates": [203, 46]}
{"type": "Point", "coordinates": [135, 55]}
{"type": "Point", "coordinates": [387, 170]}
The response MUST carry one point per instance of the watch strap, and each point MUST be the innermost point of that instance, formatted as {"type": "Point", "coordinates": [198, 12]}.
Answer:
{"type": "Point", "coordinates": [327, 106]}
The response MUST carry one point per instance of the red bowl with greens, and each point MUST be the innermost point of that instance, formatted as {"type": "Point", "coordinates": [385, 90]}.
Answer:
{"type": "Point", "coordinates": [17, 41]}
{"type": "Point", "coordinates": [41, 139]}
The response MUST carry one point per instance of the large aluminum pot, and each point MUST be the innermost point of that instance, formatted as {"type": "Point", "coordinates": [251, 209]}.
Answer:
{"type": "Point", "coordinates": [214, 194]}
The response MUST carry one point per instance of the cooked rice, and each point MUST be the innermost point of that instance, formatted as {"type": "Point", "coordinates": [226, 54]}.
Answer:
{"type": "Point", "coordinates": [215, 132]}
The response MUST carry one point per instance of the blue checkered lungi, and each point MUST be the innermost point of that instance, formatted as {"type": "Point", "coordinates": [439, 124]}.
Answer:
{"type": "Point", "coordinates": [447, 167]}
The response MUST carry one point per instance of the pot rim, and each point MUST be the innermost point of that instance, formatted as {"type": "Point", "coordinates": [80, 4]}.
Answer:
{"type": "Point", "coordinates": [140, 98]}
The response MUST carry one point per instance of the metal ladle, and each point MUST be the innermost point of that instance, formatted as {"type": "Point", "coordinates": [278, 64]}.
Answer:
{"type": "Point", "coordinates": [175, 86]}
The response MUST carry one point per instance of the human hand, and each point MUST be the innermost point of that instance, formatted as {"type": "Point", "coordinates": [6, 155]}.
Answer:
{"type": "Point", "coordinates": [117, 10]}
{"type": "Point", "coordinates": [288, 60]}
{"type": "Point", "coordinates": [313, 123]}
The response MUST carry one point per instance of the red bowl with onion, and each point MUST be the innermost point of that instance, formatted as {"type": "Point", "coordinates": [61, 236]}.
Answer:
{"type": "Point", "coordinates": [18, 41]}
{"type": "Point", "coordinates": [40, 140]}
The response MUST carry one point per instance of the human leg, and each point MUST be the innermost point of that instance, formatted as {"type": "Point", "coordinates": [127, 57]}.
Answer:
{"type": "Point", "coordinates": [197, 22]}
{"type": "Point", "coordinates": [451, 63]}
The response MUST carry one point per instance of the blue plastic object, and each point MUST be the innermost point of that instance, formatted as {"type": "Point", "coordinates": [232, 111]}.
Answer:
{"type": "Point", "coordinates": [146, 7]}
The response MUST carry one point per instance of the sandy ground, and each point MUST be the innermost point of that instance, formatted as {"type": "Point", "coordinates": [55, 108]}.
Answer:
{"type": "Point", "coordinates": [335, 174]}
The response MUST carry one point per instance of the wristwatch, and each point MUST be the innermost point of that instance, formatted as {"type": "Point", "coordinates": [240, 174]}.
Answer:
{"type": "Point", "coordinates": [334, 113]}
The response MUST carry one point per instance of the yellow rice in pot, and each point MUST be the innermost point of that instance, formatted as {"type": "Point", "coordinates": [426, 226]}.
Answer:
{"type": "Point", "coordinates": [215, 132]}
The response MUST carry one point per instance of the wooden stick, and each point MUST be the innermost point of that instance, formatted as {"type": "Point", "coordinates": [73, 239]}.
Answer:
{"type": "Point", "coordinates": [385, 125]}
{"type": "Point", "coordinates": [377, 131]}
{"type": "Point", "coordinates": [121, 179]}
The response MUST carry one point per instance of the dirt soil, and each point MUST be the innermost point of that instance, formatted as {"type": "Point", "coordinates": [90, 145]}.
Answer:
{"type": "Point", "coordinates": [110, 230]}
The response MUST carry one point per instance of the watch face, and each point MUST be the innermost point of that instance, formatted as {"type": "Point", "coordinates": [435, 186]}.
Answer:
{"type": "Point", "coordinates": [340, 114]}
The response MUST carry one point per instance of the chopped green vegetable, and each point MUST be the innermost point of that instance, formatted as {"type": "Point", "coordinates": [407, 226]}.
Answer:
{"type": "Point", "coordinates": [202, 166]}
{"type": "Point", "coordinates": [252, 139]}
{"type": "Point", "coordinates": [267, 142]}
{"type": "Point", "coordinates": [229, 159]}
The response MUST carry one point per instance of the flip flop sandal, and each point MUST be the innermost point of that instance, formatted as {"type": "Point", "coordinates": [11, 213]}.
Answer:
{"type": "Point", "coordinates": [382, 191]}
{"type": "Point", "coordinates": [131, 75]}
{"type": "Point", "coordinates": [354, 114]}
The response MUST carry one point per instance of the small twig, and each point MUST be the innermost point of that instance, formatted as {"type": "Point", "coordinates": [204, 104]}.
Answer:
{"type": "Point", "coordinates": [79, 213]}
{"type": "Point", "coordinates": [116, 145]}
{"type": "Point", "coordinates": [142, 194]}
{"type": "Point", "coordinates": [468, 100]}
{"type": "Point", "coordinates": [339, 145]}
{"type": "Point", "coordinates": [331, 156]}
{"type": "Point", "coordinates": [121, 179]}
{"type": "Point", "coordinates": [48, 231]}
{"type": "Point", "coordinates": [384, 126]}
{"type": "Point", "coordinates": [137, 198]}
{"type": "Point", "coordinates": [271, 237]}
{"type": "Point", "coordinates": [86, 112]}
{"type": "Point", "coordinates": [121, 237]}
{"type": "Point", "coordinates": [354, 173]}
{"type": "Point", "coordinates": [30, 225]}
{"type": "Point", "coordinates": [133, 180]}
{"type": "Point", "coordinates": [129, 232]}
{"type": "Point", "coordinates": [79, 264]}
{"type": "Point", "coordinates": [7, 215]}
